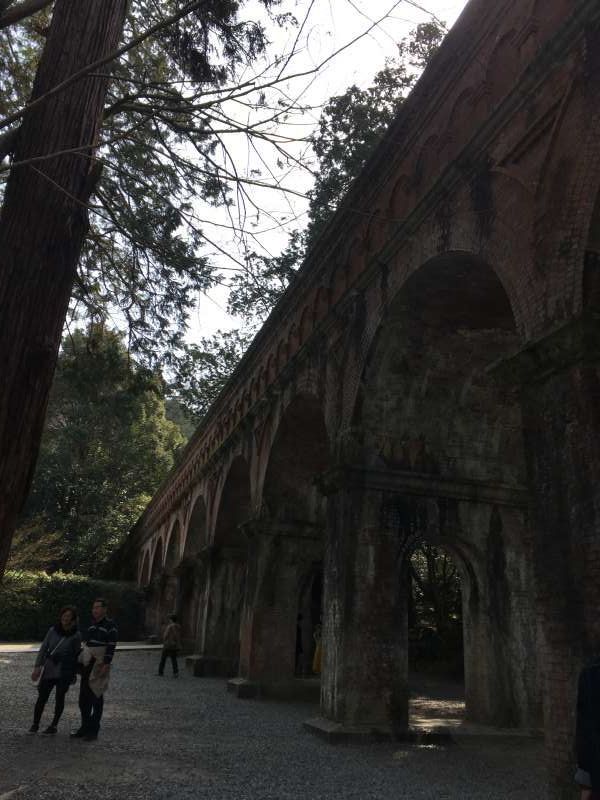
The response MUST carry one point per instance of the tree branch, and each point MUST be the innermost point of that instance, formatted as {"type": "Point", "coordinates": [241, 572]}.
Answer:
{"type": "Point", "coordinates": [10, 14]}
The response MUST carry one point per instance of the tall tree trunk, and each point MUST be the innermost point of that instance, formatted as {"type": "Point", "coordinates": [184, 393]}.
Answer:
{"type": "Point", "coordinates": [43, 224]}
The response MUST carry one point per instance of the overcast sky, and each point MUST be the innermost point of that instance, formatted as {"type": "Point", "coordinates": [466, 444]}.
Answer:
{"type": "Point", "coordinates": [330, 25]}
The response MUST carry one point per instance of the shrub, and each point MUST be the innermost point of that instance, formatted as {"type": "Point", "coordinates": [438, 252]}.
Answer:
{"type": "Point", "coordinates": [30, 602]}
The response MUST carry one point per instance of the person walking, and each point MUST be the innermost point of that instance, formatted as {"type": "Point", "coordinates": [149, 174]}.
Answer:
{"type": "Point", "coordinates": [55, 667]}
{"type": "Point", "coordinates": [171, 645]}
{"type": "Point", "coordinates": [99, 643]}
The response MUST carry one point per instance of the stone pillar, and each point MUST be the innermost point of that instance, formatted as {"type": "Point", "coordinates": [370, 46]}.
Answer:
{"type": "Point", "coordinates": [278, 556]}
{"type": "Point", "coordinates": [365, 665]}
{"type": "Point", "coordinates": [560, 389]}
{"type": "Point", "coordinates": [224, 595]}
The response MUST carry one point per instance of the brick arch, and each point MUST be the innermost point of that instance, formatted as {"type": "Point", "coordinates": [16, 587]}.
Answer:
{"type": "Point", "coordinates": [305, 325]}
{"type": "Point", "coordinates": [450, 140]}
{"type": "Point", "coordinates": [547, 15]}
{"type": "Point", "coordinates": [321, 303]}
{"type": "Point", "coordinates": [376, 230]}
{"type": "Point", "coordinates": [144, 571]}
{"type": "Point", "coordinates": [356, 256]}
{"type": "Point", "coordinates": [566, 198]}
{"type": "Point", "coordinates": [232, 503]}
{"type": "Point", "coordinates": [338, 281]}
{"type": "Point", "coordinates": [400, 200]}
{"type": "Point", "coordinates": [504, 66]}
{"type": "Point", "coordinates": [271, 368]}
{"type": "Point", "coordinates": [173, 548]}
{"type": "Point", "coordinates": [427, 163]}
{"type": "Point", "coordinates": [157, 560]}
{"type": "Point", "coordinates": [295, 453]}
{"type": "Point", "coordinates": [196, 531]}
{"type": "Point", "coordinates": [293, 341]}
{"type": "Point", "coordinates": [503, 252]}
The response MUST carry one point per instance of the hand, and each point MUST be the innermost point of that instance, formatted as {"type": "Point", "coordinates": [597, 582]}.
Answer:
{"type": "Point", "coordinates": [36, 674]}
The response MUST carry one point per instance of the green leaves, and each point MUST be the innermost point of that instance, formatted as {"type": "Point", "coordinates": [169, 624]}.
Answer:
{"type": "Point", "coordinates": [106, 448]}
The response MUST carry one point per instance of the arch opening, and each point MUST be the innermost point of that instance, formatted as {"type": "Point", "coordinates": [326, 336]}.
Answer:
{"type": "Point", "coordinates": [449, 438]}
{"type": "Point", "coordinates": [192, 575]}
{"type": "Point", "coordinates": [228, 569]}
{"type": "Point", "coordinates": [299, 454]}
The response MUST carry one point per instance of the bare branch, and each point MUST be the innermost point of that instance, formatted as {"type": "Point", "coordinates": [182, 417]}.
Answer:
{"type": "Point", "coordinates": [106, 60]}
{"type": "Point", "coordinates": [11, 14]}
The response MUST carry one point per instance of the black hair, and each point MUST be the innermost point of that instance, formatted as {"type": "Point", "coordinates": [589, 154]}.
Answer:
{"type": "Point", "coordinates": [102, 602]}
{"type": "Point", "coordinates": [64, 610]}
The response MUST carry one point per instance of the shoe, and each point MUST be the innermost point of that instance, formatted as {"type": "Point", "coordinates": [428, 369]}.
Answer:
{"type": "Point", "coordinates": [50, 729]}
{"type": "Point", "coordinates": [90, 737]}
{"type": "Point", "coordinates": [78, 734]}
{"type": "Point", "coordinates": [34, 728]}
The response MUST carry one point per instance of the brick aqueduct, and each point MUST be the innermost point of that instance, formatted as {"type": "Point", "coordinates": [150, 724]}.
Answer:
{"type": "Point", "coordinates": [431, 374]}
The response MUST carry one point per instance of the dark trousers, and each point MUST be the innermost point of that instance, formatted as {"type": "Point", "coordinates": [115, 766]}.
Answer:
{"type": "Point", "coordinates": [44, 691]}
{"type": "Point", "coordinates": [168, 653]}
{"type": "Point", "coordinates": [91, 708]}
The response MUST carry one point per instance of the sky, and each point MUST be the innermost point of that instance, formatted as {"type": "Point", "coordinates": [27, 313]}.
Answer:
{"type": "Point", "coordinates": [330, 25]}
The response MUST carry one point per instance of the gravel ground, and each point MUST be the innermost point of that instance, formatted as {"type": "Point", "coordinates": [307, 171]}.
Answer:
{"type": "Point", "coordinates": [188, 738]}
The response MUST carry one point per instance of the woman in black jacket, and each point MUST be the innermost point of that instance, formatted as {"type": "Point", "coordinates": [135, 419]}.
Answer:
{"type": "Point", "coordinates": [56, 663]}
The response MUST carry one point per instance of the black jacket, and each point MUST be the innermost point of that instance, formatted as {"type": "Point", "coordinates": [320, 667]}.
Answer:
{"type": "Point", "coordinates": [588, 722]}
{"type": "Point", "coordinates": [103, 632]}
{"type": "Point", "coordinates": [58, 654]}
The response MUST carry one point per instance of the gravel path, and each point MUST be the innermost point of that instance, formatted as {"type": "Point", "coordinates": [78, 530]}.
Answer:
{"type": "Point", "coordinates": [188, 738]}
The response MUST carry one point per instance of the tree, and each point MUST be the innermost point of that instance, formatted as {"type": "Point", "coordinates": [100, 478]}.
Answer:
{"type": "Point", "coordinates": [350, 127]}
{"type": "Point", "coordinates": [110, 131]}
{"type": "Point", "coordinates": [107, 446]}
{"type": "Point", "coordinates": [42, 227]}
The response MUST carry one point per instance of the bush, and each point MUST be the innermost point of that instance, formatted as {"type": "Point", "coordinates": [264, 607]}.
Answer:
{"type": "Point", "coordinates": [30, 603]}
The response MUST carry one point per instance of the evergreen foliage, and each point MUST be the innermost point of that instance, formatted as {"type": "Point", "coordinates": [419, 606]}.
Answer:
{"type": "Point", "coordinates": [107, 446]}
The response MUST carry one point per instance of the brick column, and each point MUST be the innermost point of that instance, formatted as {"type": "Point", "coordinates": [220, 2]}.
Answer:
{"type": "Point", "coordinates": [279, 554]}
{"type": "Point", "coordinates": [365, 664]}
{"type": "Point", "coordinates": [560, 389]}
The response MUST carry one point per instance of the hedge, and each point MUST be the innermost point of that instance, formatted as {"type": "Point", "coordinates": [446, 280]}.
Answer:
{"type": "Point", "coordinates": [30, 603]}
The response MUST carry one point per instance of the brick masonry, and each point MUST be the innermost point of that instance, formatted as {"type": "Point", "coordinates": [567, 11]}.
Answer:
{"type": "Point", "coordinates": [432, 373]}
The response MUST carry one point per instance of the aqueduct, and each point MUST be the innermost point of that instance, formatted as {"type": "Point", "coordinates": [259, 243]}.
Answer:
{"type": "Point", "coordinates": [432, 372]}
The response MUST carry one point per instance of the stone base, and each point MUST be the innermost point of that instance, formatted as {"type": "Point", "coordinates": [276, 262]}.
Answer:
{"type": "Point", "coordinates": [337, 733]}
{"type": "Point", "coordinates": [208, 666]}
{"type": "Point", "coordinates": [243, 688]}
{"type": "Point", "coordinates": [295, 690]}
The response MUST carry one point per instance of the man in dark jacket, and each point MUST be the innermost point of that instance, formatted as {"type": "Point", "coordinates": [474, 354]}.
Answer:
{"type": "Point", "coordinates": [100, 641]}
{"type": "Point", "coordinates": [588, 732]}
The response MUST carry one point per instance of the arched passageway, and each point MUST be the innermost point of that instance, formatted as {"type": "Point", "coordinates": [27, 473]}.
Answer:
{"type": "Point", "coordinates": [170, 579]}
{"type": "Point", "coordinates": [154, 589]}
{"type": "Point", "coordinates": [228, 570]}
{"type": "Point", "coordinates": [144, 573]}
{"type": "Point", "coordinates": [193, 576]}
{"type": "Point", "coordinates": [286, 552]}
{"type": "Point", "coordinates": [434, 582]}
{"type": "Point", "coordinates": [438, 457]}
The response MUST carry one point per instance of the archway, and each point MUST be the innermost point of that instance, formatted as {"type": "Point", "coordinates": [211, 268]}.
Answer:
{"type": "Point", "coordinates": [152, 618]}
{"type": "Point", "coordinates": [439, 458]}
{"type": "Point", "coordinates": [228, 569]}
{"type": "Point", "coordinates": [170, 581]}
{"type": "Point", "coordinates": [144, 573]}
{"type": "Point", "coordinates": [192, 574]}
{"type": "Point", "coordinates": [287, 544]}
{"type": "Point", "coordinates": [435, 635]}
